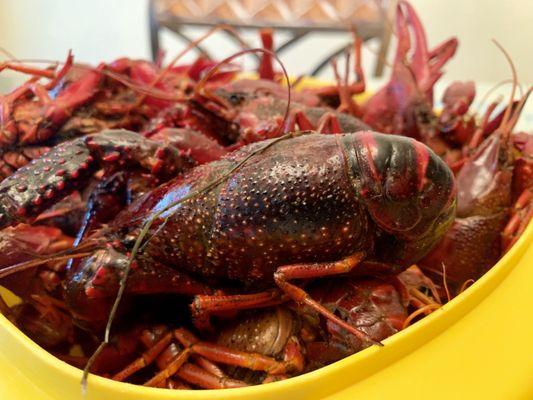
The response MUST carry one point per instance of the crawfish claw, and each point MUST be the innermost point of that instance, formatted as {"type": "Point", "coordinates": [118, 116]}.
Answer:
{"type": "Point", "coordinates": [49, 178]}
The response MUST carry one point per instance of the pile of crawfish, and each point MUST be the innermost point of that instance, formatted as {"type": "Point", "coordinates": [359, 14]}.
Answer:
{"type": "Point", "coordinates": [239, 232]}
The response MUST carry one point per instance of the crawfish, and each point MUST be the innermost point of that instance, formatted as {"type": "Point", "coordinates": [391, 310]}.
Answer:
{"type": "Point", "coordinates": [42, 314]}
{"type": "Point", "coordinates": [247, 111]}
{"type": "Point", "coordinates": [485, 195]}
{"type": "Point", "coordinates": [265, 222]}
{"type": "Point", "coordinates": [246, 116]}
{"type": "Point", "coordinates": [405, 105]}
{"type": "Point", "coordinates": [79, 100]}
{"type": "Point", "coordinates": [282, 341]}
{"type": "Point", "coordinates": [32, 113]}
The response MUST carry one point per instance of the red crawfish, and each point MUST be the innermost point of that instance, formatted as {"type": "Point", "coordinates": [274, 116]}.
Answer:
{"type": "Point", "coordinates": [246, 111]}
{"type": "Point", "coordinates": [405, 105]}
{"type": "Point", "coordinates": [455, 124]}
{"type": "Point", "coordinates": [42, 314]}
{"type": "Point", "coordinates": [249, 116]}
{"type": "Point", "coordinates": [77, 100]}
{"type": "Point", "coordinates": [280, 210]}
{"type": "Point", "coordinates": [279, 342]}
{"type": "Point", "coordinates": [33, 112]}
{"type": "Point", "coordinates": [484, 202]}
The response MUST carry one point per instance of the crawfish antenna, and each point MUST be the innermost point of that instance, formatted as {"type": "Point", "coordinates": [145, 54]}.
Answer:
{"type": "Point", "coordinates": [8, 54]}
{"type": "Point", "coordinates": [145, 90]}
{"type": "Point", "coordinates": [493, 89]}
{"type": "Point", "coordinates": [512, 113]}
{"type": "Point", "coordinates": [445, 282]}
{"type": "Point", "coordinates": [518, 110]}
{"type": "Point", "coordinates": [83, 250]}
{"type": "Point", "coordinates": [16, 268]}
{"type": "Point", "coordinates": [191, 46]}
{"type": "Point", "coordinates": [507, 114]}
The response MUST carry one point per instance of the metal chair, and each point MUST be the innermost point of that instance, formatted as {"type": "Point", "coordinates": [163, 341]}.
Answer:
{"type": "Point", "coordinates": [297, 17]}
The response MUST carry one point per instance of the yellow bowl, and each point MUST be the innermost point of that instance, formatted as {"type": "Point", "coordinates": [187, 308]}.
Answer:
{"type": "Point", "coordinates": [478, 346]}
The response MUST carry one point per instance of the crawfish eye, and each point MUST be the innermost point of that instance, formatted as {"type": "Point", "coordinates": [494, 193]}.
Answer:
{"type": "Point", "coordinates": [128, 241]}
{"type": "Point", "coordinates": [236, 98]}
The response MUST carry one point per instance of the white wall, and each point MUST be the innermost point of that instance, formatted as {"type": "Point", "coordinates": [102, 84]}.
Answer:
{"type": "Point", "coordinates": [106, 29]}
{"type": "Point", "coordinates": [475, 23]}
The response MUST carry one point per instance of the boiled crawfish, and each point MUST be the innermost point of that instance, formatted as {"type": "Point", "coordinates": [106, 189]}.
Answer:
{"type": "Point", "coordinates": [485, 198]}
{"type": "Point", "coordinates": [272, 344]}
{"type": "Point", "coordinates": [278, 342]}
{"type": "Point", "coordinates": [79, 99]}
{"type": "Point", "coordinates": [405, 105]}
{"type": "Point", "coordinates": [260, 219]}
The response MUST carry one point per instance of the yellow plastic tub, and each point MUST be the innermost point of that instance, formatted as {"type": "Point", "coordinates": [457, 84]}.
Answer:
{"type": "Point", "coordinates": [478, 346]}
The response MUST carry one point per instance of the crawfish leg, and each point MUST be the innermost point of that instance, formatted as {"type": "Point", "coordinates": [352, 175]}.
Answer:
{"type": "Point", "coordinates": [170, 369]}
{"type": "Point", "coordinates": [522, 214]}
{"type": "Point", "coordinates": [205, 305]}
{"type": "Point", "coordinates": [187, 339]}
{"type": "Point", "coordinates": [253, 361]}
{"type": "Point", "coordinates": [284, 274]}
{"type": "Point", "coordinates": [329, 123]}
{"type": "Point", "coordinates": [266, 69]}
{"type": "Point", "coordinates": [173, 362]}
{"type": "Point", "coordinates": [38, 72]}
{"type": "Point", "coordinates": [205, 378]}
{"type": "Point", "coordinates": [197, 376]}
{"type": "Point", "coordinates": [298, 118]}
{"type": "Point", "coordinates": [145, 359]}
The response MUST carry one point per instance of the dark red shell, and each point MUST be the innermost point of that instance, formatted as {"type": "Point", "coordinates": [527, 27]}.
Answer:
{"type": "Point", "coordinates": [304, 199]}
{"type": "Point", "coordinates": [375, 306]}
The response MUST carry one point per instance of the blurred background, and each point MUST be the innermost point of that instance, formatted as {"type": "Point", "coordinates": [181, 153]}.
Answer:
{"type": "Point", "coordinates": [99, 30]}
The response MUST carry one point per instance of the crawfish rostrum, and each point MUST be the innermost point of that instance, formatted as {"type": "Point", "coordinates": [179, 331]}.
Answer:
{"type": "Point", "coordinates": [257, 234]}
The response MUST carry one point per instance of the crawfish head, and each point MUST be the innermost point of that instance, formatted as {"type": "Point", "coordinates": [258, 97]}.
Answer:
{"type": "Point", "coordinates": [456, 126]}
{"type": "Point", "coordinates": [90, 284]}
{"type": "Point", "coordinates": [408, 191]}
